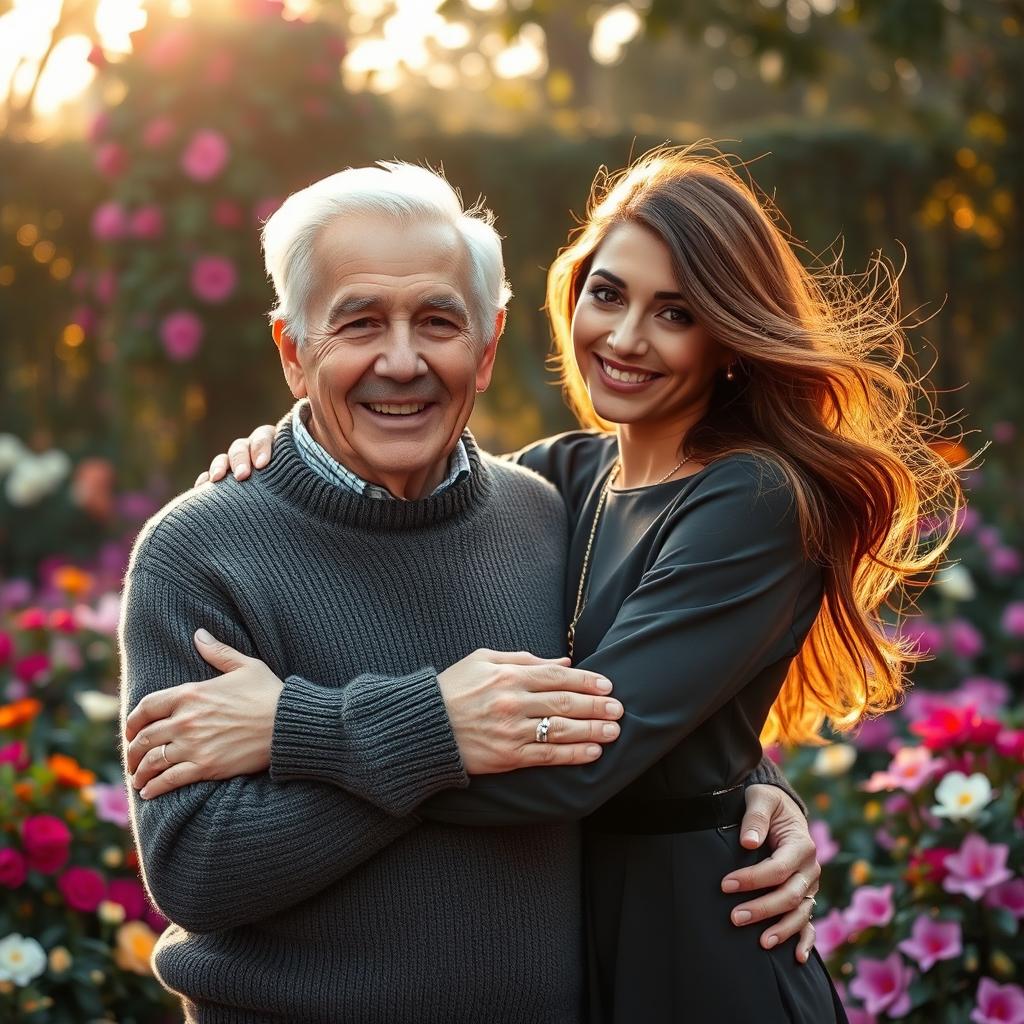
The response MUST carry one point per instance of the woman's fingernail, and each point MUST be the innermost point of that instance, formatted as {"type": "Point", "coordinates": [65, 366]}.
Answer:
{"type": "Point", "coordinates": [239, 472]}
{"type": "Point", "coordinates": [730, 885]}
{"type": "Point", "coordinates": [741, 916]}
{"type": "Point", "coordinates": [203, 637]}
{"type": "Point", "coordinates": [604, 685]}
{"type": "Point", "coordinates": [771, 941]}
{"type": "Point", "coordinates": [144, 794]}
{"type": "Point", "coordinates": [260, 460]}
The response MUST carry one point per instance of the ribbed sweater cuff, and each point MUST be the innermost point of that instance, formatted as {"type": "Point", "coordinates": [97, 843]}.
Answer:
{"type": "Point", "coordinates": [385, 739]}
{"type": "Point", "coordinates": [767, 773]}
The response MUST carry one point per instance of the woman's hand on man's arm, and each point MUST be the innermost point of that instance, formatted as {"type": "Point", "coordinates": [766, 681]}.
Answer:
{"type": "Point", "coordinates": [243, 453]}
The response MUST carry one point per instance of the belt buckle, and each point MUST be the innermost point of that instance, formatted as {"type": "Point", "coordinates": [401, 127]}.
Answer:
{"type": "Point", "coordinates": [718, 808]}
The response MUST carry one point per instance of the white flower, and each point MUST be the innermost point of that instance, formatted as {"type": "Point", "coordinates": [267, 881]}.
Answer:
{"type": "Point", "coordinates": [21, 959]}
{"type": "Point", "coordinates": [12, 451]}
{"type": "Point", "coordinates": [962, 796]}
{"type": "Point", "coordinates": [835, 759]}
{"type": "Point", "coordinates": [956, 582]}
{"type": "Point", "coordinates": [36, 476]}
{"type": "Point", "coordinates": [98, 706]}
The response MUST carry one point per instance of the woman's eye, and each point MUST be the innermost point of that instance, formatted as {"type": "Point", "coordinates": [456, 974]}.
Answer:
{"type": "Point", "coordinates": [677, 316]}
{"type": "Point", "coordinates": [603, 293]}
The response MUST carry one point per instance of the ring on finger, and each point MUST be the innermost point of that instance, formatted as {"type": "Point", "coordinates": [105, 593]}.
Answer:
{"type": "Point", "coordinates": [810, 911]}
{"type": "Point", "coordinates": [163, 754]}
{"type": "Point", "coordinates": [542, 729]}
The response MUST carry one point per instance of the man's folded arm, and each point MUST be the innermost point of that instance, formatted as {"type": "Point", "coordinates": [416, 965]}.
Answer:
{"type": "Point", "coordinates": [216, 855]}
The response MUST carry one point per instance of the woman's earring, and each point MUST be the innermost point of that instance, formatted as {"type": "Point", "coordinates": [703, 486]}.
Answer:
{"type": "Point", "coordinates": [729, 375]}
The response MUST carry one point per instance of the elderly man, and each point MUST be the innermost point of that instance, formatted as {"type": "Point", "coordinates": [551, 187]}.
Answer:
{"type": "Point", "coordinates": [301, 884]}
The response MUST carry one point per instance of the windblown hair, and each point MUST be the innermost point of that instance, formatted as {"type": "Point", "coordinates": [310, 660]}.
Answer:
{"type": "Point", "coordinates": [390, 189]}
{"type": "Point", "coordinates": [823, 388]}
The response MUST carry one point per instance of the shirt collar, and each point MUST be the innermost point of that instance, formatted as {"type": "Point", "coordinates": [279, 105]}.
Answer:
{"type": "Point", "coordinates": [328, 468]}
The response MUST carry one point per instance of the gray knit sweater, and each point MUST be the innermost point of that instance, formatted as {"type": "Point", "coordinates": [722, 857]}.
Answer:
{"type": "Point", "coordinates": [293, 899]}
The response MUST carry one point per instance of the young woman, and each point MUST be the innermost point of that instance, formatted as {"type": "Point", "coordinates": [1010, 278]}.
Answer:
{"type": "Point", "coordinates": [744, 502]}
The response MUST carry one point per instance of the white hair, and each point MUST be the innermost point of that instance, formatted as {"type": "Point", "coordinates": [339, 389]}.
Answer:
{"type": "Point", "coordinates": [401, 191]}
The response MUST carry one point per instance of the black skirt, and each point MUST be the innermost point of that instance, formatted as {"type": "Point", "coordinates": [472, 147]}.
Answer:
{"type": "Point", "coordinates": [663, 950]}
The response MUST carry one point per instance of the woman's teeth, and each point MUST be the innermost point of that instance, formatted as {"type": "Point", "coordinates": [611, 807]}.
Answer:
{"type": "Point", "coordinates": [397, 410]}
{"type": "Point", "coordinates": [626, 377]}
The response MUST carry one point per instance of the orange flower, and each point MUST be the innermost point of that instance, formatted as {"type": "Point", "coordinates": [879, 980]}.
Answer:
{"type": "Point", "coordinates": [72, 580]}
{"type": "Point", "coordinates": [952, 451]}
{"type": "Point", "coordinates": [23, 791]}
{"type": "Point", "coordinates": [69, 772]}
{"type": "Point", "coordinates": [135, 942]}
{"type": "Point", "coordinates": [19, 712]}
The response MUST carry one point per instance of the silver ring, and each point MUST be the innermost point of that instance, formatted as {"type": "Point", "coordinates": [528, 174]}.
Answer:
{"type": "Point", "coordinates": [542, 729]}
{"type": "Point", "coordinates": [814, 902]}
{"type": "Point", "coordinates": [163, 754]}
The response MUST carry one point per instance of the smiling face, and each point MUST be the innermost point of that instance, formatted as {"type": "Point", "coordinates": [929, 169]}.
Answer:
{"type": "Point", "coordinates": [644, 359]}
{"type": "Point", "coordinates": [391, 363]}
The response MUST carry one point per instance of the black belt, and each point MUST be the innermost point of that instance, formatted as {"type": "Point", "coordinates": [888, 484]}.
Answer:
{"type": "Point", "coordinates": [721, 809]}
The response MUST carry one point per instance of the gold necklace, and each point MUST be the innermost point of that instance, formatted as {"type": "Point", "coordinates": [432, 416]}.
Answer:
{"type": "Point", "coordinates": [586, 556]}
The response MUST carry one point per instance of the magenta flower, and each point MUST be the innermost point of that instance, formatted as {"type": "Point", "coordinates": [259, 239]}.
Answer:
{"type": "Point", "coordinates": [15, 753]}
{"type": "Point", "coordinates": [111, 159]}
{"type": "Point", "coordinates": [987, 696]}
{"type": "Point", "coordinates": [213, 278]}
{"type": "Point", "coordinates": [964, 640]}
{"type": "Point", "coordinates": [265, 209]}
{"type": "Point", "coordinates": [228, 214]}
{"type": "Point", "coordinates": [1004, 431]}
{"type": "Point", "coordinates": [1008, 896]}
{"type": "Point", "coordinates": [998, 1004]}
{"type": "Point", "coordinates": [871, 906]}
{"type": "Point", "coordinates": [1005, 561]}
{"type": "Point", "coordinates": [112, 803]}
{"type": "Point", "coordinates": [1013, 619]}
{"type": "Point", "coordinates": [205, 156]}
{"type": "Point", "coordinates": [925, 637]}
{"type": "Point", "coordinates": [830, 932]}
{"type": "Point", "coordinates": [931, 941]}
{"type": "Point", "coordinates": [109, 222]}
{"type": "Point", "coordinates": [32, 667]}
{"type": "Point", "coordinates": [32, 618]}
{"type": "Point", "coordinates": [6, 647]}
{"type": "Point", "coordinates": [909, 770]}
{"type": "Point", "coordinates": [147, 222]}
{"type": "Point", "coordinates": [98, 126]}
{"type": "Point", "coordinates": [13, 868]}
{"type": "Point", "coordinates": [822, 835]}
{"type": "Point", "coordinates": [875, 733]}
{"type": "Point", "coordinates": [1009, 743]}
{"type": "Point", "coordinates": [158, 132]}
{"type": "Point", "coordinates": [883, 985]}
{"type": "Point", "coordinates": [83, 888]}
{"type": "Point", "coordinates": [976, 867]}
{"type": "Point", "coordinates": [181, 334]}
{"type": "Point", "coordinates": [129, 893]}
{"type": "Point", "coordinates": [47, 842]}
{"type": "Point", "coordinates": [105, 286]}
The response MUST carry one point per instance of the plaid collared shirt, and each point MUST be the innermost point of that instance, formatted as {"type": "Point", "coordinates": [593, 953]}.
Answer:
{"type": "Point", "coordinates": [324, 465]}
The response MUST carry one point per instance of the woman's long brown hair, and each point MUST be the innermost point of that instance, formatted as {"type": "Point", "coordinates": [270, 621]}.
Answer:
{"type": "Point", "coordinates": [823, 387]}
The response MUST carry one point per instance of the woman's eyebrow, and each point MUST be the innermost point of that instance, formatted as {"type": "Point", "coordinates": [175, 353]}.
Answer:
{"type": "Point", "coordinates": [619, 283]}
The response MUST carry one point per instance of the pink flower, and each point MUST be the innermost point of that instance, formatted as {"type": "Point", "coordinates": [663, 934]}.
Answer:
{"type": "Point", "coordinates": [931, 941]}
{"type": "Point", "coordinates": [976, 867]}
{"type": "Point", "coordinates": [103, 618]}
{"type": "Point", "coordinates": [989, 537]}
{"type": "Point", "coordinates": [1008, 896]}
{"type": "Point", "coordinates": [1005, 561]}
{"type": "Point", "coordinates": [15, 753]}
{"type": "Point", "coordinates": [98, 126]}
{"type": "Point", "coordinates": [181, 334]}
{"type": "Point", "coordinates": [112, 804]}
{"type": "Point", "coordinates": [6, 648]}
{"type": "Point", "coordinates": [167, 50]}
{"type": "Point", "coordinates": [62, 621]}
{"type": "Point", "coordinates": [158, 132]}
{"type": "Point", "coordinates": [111, 159]}
{"type": "Point", "coordinates": [830, 932]}
{"type": "Point", "coordinates": [875, 733]}
{"type": "Point", "coordinates": [988, 696]}
{"type": "Point", "coordinates": [827, 847]}
{"type": "Point", "coordinates": [926, 637]}
{"type": "Point", "coordinates": [213, 278]}
{"type": "Point", "coordinates": [47, 841]}
{"type": "Point", "coordinates": [998, 1004]}
{"type": "Point", "coordinates": [871, 906]}
{"type": "Point", "coordinates": [265, 209]}
{"type": "Point", "coordinates": [32, 618]}
{"type": "Point", "coordinates": [227, 214]}
{"type": "Point", "coordinates": [220, 68]}
{"type": "Point", "coordinates": [909, 770]}
{"type": "Point", "coordinates": [155, 919]}
{"type": "Point", "coordinates": [148, 222]}
{"type": "Point", "coordinates": [944, 727]}
{"type": "Point", "coordinates": [1009, 743]}
{"type": "Point", "coordinates": [106, 286]}
{"type": "Point", "coordinates": [110, 222]}
{"type": "Point", "coordinates": [13, 868]}
{"type": "Point", "coordinates": [32, 667]}
{"type": "Point", "coordinates": [1004, 431]}
{"type": "Point", "coordinates": [82, 888]}
{"type": "Point", "coordinates": [927, 866]}
{"type": "Point", "coordinates": [129, 893]}
{"type": "Point", "coordinates": [1013, 619]}
{"type": "Point", "coordinates": [883, 985]}
{"type": "Point", "coordinates": [964, 640]}
{"type": "Point", "coordinates": [205, 156]}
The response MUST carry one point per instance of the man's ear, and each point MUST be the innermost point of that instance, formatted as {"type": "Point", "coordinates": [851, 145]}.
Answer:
{"type": "Point", "coordinates": [486, 366]}
{"type": "Point", "coordinates": [287, 348]}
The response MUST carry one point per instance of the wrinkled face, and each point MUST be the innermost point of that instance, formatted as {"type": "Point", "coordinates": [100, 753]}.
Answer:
{"type": "Point", "coordinates": [391, 362]}
{"type": "Point", "coordinates": [636, 344]}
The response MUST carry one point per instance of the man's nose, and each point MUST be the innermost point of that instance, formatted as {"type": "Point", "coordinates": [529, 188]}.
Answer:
{"type": "Point", "coordinates": [400, 360]}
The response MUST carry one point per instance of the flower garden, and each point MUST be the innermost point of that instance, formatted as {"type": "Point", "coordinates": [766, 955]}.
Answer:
{"type": "Point", "coordinates": [136, 346]}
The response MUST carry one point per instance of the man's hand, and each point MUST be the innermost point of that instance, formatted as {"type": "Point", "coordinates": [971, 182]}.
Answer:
{"type": "Point", "coordinates": [792, 872]}
{"type": "Point", "coordinates": [214, 729]}
{"type": "Point", "coordinates": [496, 699]}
